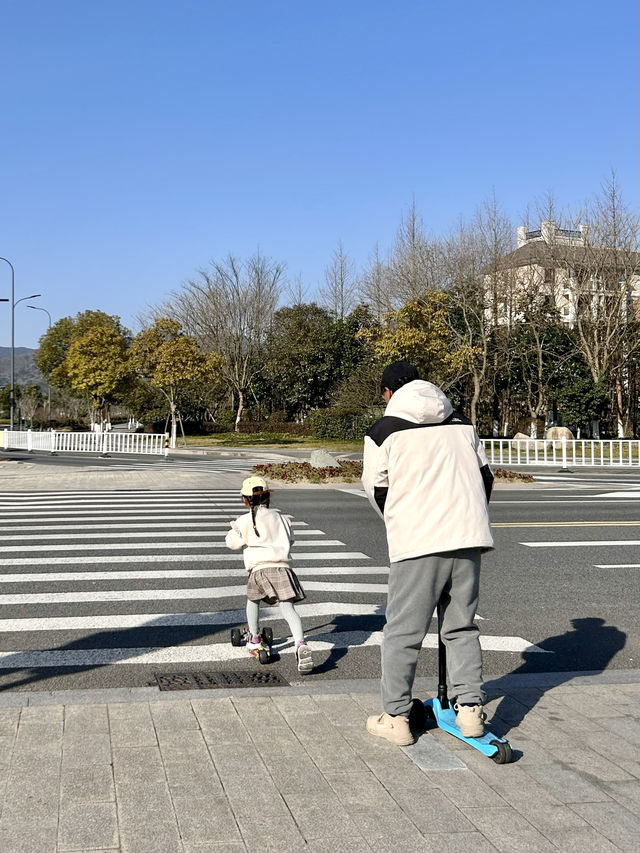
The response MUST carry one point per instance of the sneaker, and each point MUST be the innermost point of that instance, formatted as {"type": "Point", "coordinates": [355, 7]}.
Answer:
{"type": "Point", "coordinates": [255, 648]}
{"type": "Point", "coordinates": [304, 658]}
{"type": "Point", "coordinates": [469, 719]}
{"type": "Point", "coordinates": [394, 729]}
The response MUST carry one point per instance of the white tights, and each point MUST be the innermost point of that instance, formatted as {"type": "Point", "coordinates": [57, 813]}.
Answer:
{"type": "Point", "coordinates": [287, 610]}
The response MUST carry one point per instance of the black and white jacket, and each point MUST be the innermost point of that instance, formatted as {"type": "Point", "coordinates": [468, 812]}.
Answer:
{"type": "Point", "coordinates": [426, 472]}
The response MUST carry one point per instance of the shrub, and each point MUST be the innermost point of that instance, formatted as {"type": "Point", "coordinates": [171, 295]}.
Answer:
{"type": "Point", "coordinates": [339, 424]}
{"type": "Point", "coordinates": [296, 472]}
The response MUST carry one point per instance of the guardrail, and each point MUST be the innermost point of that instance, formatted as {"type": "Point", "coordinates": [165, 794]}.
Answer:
{"type": "Point", "coordinates": [54, 441]}
{"type": "Point", "coordinates": [581, 452]}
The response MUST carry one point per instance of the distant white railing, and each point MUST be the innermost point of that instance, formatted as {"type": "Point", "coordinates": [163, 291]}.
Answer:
{"type": "Point", "coordinates": [581, 452]}
{"type": "Point", "coordinates": [55, 441]}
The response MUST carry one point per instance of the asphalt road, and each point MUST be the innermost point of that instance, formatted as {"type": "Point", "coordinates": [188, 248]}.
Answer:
{"type": "Point", "coordinates": [559, 593]}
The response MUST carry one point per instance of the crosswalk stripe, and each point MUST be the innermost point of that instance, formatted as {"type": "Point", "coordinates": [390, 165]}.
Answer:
{"type": "Point", "coordinates": [593, 543]}
{"type": "Point", "coordinates": [215, 592]}
{"type": "Point", "coordinates": [105, 525]}
{"type": "Point", "coordinates": [176, 620]}
{"type": "Point", "coordinates": [301, 557]}
{"type": "Point", "coordinates": [157, 534]}
{"type": "Point", "coordinates": [67, 577]}
{"type": "Point", "coordinates": [216, 652]}
{"type": "Point", "coordinates": [139, 546]}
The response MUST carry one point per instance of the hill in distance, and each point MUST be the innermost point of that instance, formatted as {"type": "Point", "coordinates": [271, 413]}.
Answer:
{"type": "Point", "coordinates": [24, 368]}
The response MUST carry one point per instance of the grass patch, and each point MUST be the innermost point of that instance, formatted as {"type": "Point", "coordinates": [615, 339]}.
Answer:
{"type": "Point", "coordinates": [269, 439]}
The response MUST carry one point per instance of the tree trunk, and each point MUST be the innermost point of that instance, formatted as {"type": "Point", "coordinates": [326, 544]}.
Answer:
{"type": "Point", "coordinates": [236, 427]}
{"type": "Point", "coordinates": [174, 428]}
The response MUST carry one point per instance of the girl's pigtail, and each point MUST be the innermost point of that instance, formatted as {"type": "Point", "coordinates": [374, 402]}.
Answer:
{"type": "Point", "coordinates": [254, 506]}
{"type": "Point", "coordinates": [258, 498]}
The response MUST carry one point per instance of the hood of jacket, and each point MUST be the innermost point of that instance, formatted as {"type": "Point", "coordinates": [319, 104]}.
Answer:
{"type": "Point", "coordinates": [419, 402]}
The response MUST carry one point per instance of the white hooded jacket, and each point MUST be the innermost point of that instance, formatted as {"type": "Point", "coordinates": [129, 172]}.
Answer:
{"type": "Point", "coordinates": [426, 472]}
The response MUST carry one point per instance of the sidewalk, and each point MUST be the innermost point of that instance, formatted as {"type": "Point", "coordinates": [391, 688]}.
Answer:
{"type": "Point", "coordinates": [293, 769]}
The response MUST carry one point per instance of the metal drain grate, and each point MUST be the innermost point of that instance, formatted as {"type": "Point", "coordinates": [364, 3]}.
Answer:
{"type": "Point", "coordinates": [217, 679]}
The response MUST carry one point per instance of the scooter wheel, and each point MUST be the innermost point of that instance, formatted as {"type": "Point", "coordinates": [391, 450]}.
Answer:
{"type": "Point", "coordinates": [503, 753]}
{"type": "Point", "coordinates": [267, 636]}
{"type": "Point", "coordinates": [236, 637]}
{"type": "Point", "coordinates": [263, 656]}
{"type": "Point", "coordinates": [417, 716]}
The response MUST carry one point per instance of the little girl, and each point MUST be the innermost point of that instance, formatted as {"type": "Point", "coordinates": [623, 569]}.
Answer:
{"type": "Point", "coordinates": [265, 537]}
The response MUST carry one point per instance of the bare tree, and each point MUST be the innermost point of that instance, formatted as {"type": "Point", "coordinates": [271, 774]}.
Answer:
{"type": "Point", "coordinates": [471, 270]}
{"type": "Point", "coordinates": [338, 292]}
{"type": "Point", "coordinates": [228, 309]}
{"type": "Point", "coordinates": [413, 264]}
{"type": "Point", "coordinates": [602, 269]}
{"type": "Point", "coordinates": [374, 287]}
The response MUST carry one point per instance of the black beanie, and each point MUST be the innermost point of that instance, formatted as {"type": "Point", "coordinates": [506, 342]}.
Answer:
{"type": "Point", "coordinates": [396, 375]}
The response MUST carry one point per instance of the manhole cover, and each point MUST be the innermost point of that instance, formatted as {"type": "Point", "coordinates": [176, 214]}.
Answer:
{"type": "Point", "coordinates": [216, 679]}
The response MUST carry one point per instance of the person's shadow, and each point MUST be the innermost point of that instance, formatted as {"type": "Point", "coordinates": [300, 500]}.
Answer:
{"type": "Point", "coordinates": [586, 650]}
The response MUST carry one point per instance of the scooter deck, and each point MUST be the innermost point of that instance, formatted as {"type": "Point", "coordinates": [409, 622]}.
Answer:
{"type": "Point", "coordinates": [446, 719]}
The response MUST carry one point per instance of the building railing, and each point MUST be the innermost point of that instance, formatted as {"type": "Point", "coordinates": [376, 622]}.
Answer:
{"type": "Point", "coordinates": [54, 441]}
{"type": "Point", "coordinates": [562, 452]}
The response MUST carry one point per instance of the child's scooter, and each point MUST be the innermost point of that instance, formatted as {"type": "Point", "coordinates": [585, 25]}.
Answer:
{"type": "Point", "coordinates": [440, 711]}
{"type": "Point", "coordinates": [241, 638]}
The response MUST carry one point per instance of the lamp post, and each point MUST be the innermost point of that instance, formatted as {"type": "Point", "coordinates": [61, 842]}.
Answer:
{"type": "Point", "coordinates": [37, 308]}
{"type": "Point", "coordinates": [14, 302]}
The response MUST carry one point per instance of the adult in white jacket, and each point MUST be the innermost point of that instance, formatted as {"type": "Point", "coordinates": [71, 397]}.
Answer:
{"type": "Point", "coordinates": [426, 473]}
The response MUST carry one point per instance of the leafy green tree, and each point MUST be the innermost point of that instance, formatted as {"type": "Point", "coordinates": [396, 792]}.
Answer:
{"type": "Point", "coordinates": [419, 332]}
{"type": "Point", "coordinates": [69, 357]}
{"type": "Point", "coordinates": [168, 360]}
{"type": "Point", "coordinates": [96, 364]}
{"type": "Point", "coordinates": [306, 355]}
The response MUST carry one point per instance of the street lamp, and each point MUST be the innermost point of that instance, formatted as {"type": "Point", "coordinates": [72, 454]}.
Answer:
{"type": "Point", "coordinates": [37, 308]}
{"type": "Point", "coordinates": [14, 302]}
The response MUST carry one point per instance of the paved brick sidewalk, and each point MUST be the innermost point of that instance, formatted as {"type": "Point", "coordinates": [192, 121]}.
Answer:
{"type": "Point", "coordinates": [292, 769]}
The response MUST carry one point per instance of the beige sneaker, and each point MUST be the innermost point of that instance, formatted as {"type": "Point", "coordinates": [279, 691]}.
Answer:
{"type": "Point", "coordinates": [469, 719]}
{"type": "Point", "coordinates": [394, 729]}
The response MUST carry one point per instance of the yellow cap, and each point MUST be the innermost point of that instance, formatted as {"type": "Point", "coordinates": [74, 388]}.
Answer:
{"type": "Point", "coordinates": [252, 484]}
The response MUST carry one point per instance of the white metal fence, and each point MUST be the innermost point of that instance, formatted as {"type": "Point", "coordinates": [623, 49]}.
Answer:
{"type": "Point", "coordinates": [86, 442]}
{"type": "Point", "coordinates": [583, 452]}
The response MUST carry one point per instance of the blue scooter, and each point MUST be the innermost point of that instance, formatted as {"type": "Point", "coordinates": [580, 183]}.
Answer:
{"type": "Point", "coordinates": [440, 711]}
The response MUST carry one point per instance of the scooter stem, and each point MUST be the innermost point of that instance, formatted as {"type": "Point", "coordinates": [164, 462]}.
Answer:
{"type": "Point", "coordinates": [442, 664]}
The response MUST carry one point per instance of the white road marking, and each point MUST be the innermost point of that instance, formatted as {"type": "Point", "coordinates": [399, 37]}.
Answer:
{"type": "Point", "coordinates": [596, 543]}
{"type": "Point", "coordinates": [217, 652]}
{"type": "Point", "coordinates": [166, 534]}
{"type": "Point", "coordinates": [301, 556]}
{"type": "Point", "coordinates": [160, 620]}
{"type": "Point", "coordinates": [619, 566]}
{"type": "Point", "coordinates": [99, 524]}
{"type": "Point", "coordinates": [115, 575]}
{"type": "Point", "coordinates": [139, 546]}
{"type": "Point", "coordinates": [214, 592]}
{"type": "Point", "coordinates": [625, 494]}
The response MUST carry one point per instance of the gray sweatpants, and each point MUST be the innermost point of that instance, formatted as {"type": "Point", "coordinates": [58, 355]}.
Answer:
{"type": "Point", "coordinates": [415, 587]}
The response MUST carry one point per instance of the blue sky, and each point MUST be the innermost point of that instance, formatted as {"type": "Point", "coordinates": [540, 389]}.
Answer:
{"type": "Point", "coordinates": [141, 138]}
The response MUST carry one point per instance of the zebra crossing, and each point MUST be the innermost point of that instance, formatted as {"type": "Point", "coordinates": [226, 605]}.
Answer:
{"type": "Point", "coordinates": [87, 579]}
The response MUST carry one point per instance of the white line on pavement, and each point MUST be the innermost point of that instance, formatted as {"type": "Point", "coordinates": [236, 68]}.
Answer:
{"type": "Point", "coordinates": [172, 558]}
{"type": "Point", "coordinates": [139, 546]}
{"type": "Point", "coordinates": [174, 534]}
{"type": "Point", "coordinates": [594, 543]}
{"type": "Point", "coordinates": [160, 620]}
{"type": "Point", "coordinates": [66, 577]}
{"type": "Point", "coordinates": [216, 652]}
{"type": "Point", "coordinates": [215, 592]}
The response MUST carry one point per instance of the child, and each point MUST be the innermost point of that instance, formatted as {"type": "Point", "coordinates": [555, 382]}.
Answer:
{"type": "Point", "coordinates": [265, 537]}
